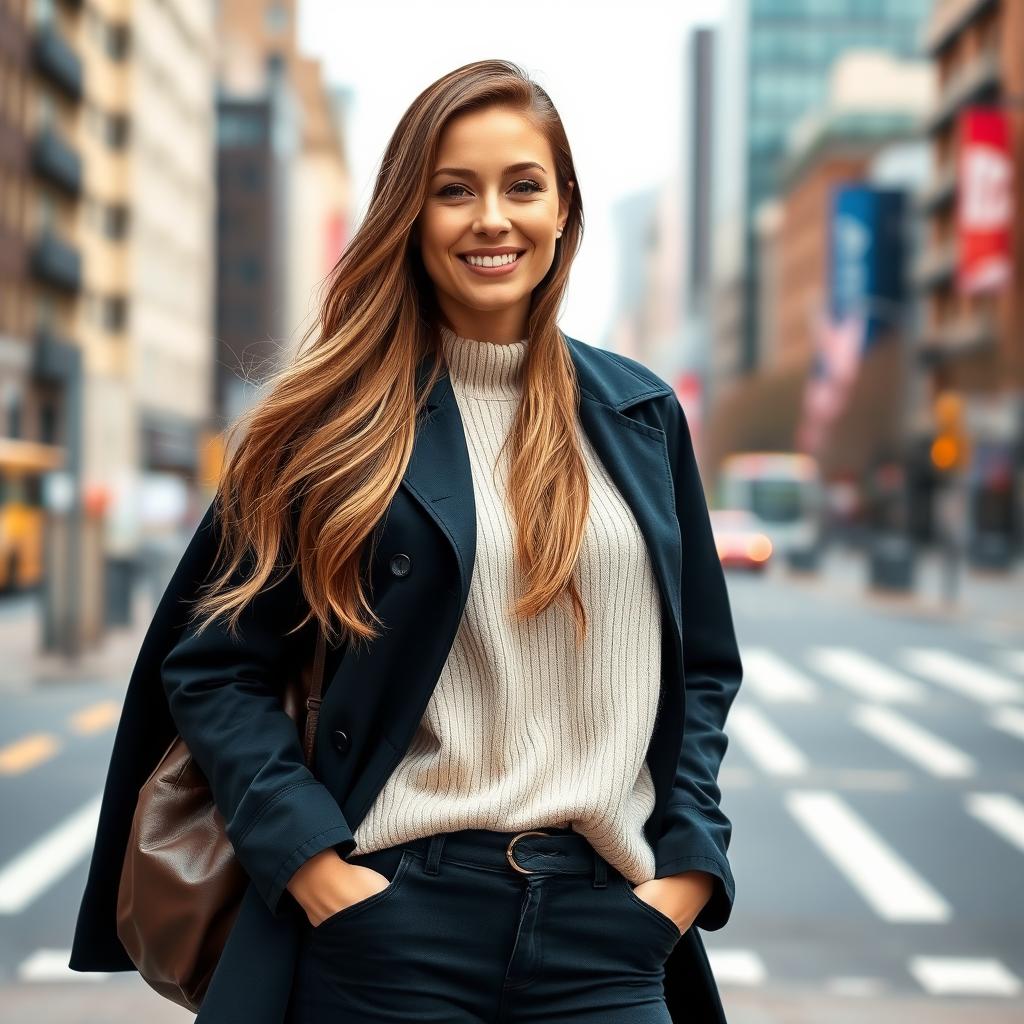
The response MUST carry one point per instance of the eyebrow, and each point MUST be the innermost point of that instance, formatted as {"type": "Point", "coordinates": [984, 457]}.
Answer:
{"type": "Point", "coordinates": [467, 172]}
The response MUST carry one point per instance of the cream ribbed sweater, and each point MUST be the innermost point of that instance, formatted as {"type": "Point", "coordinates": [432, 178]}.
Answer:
{"type": "Point", "coordinates": [522, 731]}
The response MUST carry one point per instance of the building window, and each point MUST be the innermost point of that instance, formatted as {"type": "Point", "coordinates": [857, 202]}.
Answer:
{"type": "Point", "coordinates": [250, 269]}
{"type": "Point", "coordinates": [116, 41]}
{"type": "Point", "coordinates": [117, 130]}
{"type": "Point", "coordinates": [44, 12]}
{"type": "Point", "coordinates": [239, 129]}
{"type": "Point", "coordinates": [13, 411]}
{"type": "Point", "coordinates": [251, 177]}
{"type": "Point", "coordinates": [276, 18]}
{"type": "Point", "coordinates": [113, 310]}
{"type": "Point", "coordinates": [48, 421]}
{"type": "Point", "coordinates": [115, 220]}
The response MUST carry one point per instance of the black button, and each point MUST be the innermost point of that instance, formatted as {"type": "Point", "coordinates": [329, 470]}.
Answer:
{"type": "Point", "coordinates": [340, 740]}
{"type": "Point", "coordinates": [400, 565]}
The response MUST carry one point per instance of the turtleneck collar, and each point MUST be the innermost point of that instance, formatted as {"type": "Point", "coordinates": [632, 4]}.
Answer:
{"type": "Point", "coordinates": [484, 369]}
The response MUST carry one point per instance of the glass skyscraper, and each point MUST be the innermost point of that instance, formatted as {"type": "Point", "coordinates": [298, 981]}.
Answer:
{"type": "Point", "coordinates": [778, 70]}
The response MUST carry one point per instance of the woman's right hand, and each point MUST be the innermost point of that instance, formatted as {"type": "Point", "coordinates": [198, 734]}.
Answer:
{"type": "Point", "coordinates": [327, 884]}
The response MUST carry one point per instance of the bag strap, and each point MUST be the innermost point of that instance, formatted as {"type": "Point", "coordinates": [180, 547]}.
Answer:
{"type": "Point", "coordinates": [313, 698]}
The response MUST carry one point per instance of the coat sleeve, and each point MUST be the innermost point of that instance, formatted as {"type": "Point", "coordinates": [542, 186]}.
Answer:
{"type": "Point", "coordinates": [696, 834]}
{"type": "Point", "coordinates": [224, 695]}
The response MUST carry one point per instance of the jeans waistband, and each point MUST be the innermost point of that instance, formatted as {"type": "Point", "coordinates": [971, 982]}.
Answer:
{"type": "Point", "coordinates": [553, 851]}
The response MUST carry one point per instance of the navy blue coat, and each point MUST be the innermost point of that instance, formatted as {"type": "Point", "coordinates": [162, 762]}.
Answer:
{"type": "Point", "coordinates": [222, 695]}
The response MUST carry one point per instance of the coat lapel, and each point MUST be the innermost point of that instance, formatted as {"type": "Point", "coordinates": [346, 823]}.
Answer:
{"type": "Point", "coordinates": [439, 475]}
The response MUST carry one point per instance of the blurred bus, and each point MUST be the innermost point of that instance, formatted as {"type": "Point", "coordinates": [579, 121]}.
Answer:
{"type": "Point", "coordinates": [782, 491]}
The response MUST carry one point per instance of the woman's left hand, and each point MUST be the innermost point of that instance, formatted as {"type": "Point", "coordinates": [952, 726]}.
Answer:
{"type": "Point", "coordinates": [681, 897]}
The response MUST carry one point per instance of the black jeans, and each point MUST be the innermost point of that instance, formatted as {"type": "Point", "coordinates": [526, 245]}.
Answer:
{"type": "Point", "coordinates": [460, 936]}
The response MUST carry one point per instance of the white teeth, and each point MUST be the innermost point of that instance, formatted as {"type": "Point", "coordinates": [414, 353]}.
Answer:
{"type": "Point", "coordinates": [492, 261]}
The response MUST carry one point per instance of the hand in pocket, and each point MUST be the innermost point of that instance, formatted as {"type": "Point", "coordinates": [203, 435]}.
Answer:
{"type": "Point", "coordinates": [346, 887]}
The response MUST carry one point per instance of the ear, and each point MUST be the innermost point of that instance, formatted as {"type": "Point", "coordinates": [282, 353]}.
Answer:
{"type": "Point", "coordinates": [563, 203]}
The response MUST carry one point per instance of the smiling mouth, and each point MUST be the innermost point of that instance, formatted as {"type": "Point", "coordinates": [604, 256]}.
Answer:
{"type": "Point", "coordinates": [503, 261]}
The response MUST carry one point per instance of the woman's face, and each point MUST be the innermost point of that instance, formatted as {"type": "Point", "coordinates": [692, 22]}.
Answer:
{"type": "Point", "coordinates": [477, 202]}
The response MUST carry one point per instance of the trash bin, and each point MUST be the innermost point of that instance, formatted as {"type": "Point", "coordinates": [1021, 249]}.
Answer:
{"type": "Point", "coordinates": [990, 550]}
{"type": "Point", "coordinates": [120, 580]}
{"type": "Point", "coordinates": [891, 560]}
{"type": "Point", "coordinates": [804, 559]}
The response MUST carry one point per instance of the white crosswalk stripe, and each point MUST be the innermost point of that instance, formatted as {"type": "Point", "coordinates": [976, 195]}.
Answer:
{"type": "Point", "coordinates": [737, 966]}
{"type": "Point", "coordinates": [1002, 813]}
{"type": "Point", "coordinates": [774, 679]}
{"type": "Point", "coordinates": [887, 882]}
{"type": "Point", "coordinates": [857, 848]}
{"type": "Point", "coordinates": [864, 676]}
{"type": "Point", "coordinates": [1014, 660]}
{"type": "Point", "coordinates": [964, 976]}
{"type": "Point", "coordinates": [964, 677]}
{"type": "Point", "coordinates": [913, 742]}
{"type": "Point", "coordinates": [859, 987]}
{"type": "Point", "coordinates": [764, 744]}
{"type": "Point", "coordinates": [1009, 719]}
{"type": "Point", "coordinates": [48, 859]}
{"type": "Point", "coordinates": [50, 965]}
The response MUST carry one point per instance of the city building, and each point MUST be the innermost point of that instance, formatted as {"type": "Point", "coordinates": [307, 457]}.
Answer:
{"type": "Point", "coordinates": [872, 100]}
{"type": "Point", "coordinates": [772, 66]}
{"type": "Point", "coordinates": [105, 310]}
{"type": "Point", "coordinates": [41, 190]}
{"type": "Point", "coordinates": [284, 194]}
{"type": "Point", "coordinates": [972, 269]}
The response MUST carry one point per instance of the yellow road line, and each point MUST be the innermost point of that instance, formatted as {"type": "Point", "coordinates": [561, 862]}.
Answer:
{"type": "Point", "coordinates": [26, 753]}
{"type": "Point", "coordinates": [95, 717]}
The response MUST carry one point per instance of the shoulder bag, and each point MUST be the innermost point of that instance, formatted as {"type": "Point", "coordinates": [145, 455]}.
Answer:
{"type": "Point", "coordinates": [181, 886]}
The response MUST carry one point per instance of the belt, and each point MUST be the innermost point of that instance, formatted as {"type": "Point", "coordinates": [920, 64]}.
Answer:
{"type": "Point", "coordinates": [554, 850]}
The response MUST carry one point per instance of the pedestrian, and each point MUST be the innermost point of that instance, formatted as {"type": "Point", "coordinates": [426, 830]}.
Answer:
{"type": "Point", "coordinates": [502, 532]}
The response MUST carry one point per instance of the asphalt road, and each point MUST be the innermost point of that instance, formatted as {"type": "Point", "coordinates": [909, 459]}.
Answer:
{"type": "Point", "coordinates": [874, 777]}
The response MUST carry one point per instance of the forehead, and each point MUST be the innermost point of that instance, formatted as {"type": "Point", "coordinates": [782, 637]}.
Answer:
{"type": "Point", "coordinates": [491, 137]}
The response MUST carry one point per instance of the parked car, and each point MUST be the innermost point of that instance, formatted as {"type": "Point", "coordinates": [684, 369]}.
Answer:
{"type": "Point", "coordinates": [740, 540]}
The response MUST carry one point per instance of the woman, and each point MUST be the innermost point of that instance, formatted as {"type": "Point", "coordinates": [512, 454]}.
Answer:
{"type": "Point", "coordinates": [502, 532]}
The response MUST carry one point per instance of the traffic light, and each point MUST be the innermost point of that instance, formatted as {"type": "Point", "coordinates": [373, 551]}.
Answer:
{"type": "Point", "coordinates": [950, 448]}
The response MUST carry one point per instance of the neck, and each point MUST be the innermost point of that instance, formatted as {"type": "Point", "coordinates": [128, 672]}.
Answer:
{"type": "Point", "coordinates": [484, 369]}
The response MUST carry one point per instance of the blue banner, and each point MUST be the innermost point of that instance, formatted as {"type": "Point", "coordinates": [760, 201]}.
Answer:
{"type": "Point", "coordinates": [866, 256]}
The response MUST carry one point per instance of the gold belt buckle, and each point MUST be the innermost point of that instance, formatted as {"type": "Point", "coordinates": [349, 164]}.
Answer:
{"type": "Point", "coordinates": [511, 858]}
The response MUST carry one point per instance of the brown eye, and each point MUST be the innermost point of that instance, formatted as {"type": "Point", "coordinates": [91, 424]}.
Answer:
{"type": "Point", "coordinates": [533, 186]}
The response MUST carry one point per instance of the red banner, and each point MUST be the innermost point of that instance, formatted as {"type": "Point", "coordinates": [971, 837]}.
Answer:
{"type": "Point", "coordinates": [984, 201]}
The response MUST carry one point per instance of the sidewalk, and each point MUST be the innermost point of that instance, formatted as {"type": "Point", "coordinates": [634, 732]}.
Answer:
{"type": "Point", "coordinates": [26, 666]}
{"type": "Point", "coordinates": [993, 601]}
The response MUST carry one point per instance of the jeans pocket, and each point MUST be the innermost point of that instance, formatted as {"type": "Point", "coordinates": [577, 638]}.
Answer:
{"type": "Point", "coordinates": [660, 918]}
{"type": "Point", "coordinates": [373, 900]}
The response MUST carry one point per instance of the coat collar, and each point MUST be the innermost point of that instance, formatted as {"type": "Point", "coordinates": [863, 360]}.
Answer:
{"type": "Point", "coordinates": [601, 376]}
{"type": "Point", "coordinates": [635, 454]}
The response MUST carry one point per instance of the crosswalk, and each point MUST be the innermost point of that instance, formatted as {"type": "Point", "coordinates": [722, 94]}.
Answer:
{"type": "Point", "coordinates": [884, 700]}
{"type": "Point", "coordinates": [899, 711]}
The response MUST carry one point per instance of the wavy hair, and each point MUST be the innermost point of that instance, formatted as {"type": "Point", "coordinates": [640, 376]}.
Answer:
{"type": "Point", "coordinates": [324, 449]}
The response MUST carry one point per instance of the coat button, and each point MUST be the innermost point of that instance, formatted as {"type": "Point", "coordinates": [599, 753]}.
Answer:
{"type": "Point", "coordinates": [340, 740]}
{"type": "Point", "coordinates": [400, 565]}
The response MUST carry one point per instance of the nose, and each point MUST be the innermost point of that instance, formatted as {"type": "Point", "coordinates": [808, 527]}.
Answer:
{"type": "Point", "coordinates": [492, 218]}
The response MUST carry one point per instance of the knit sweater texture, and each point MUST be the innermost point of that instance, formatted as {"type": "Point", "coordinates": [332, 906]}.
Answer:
{"type": "Point", "coordinates": [523, 730]}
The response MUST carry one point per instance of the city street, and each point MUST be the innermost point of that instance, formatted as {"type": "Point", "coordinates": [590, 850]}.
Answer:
{"type": "Point", "coordinates": [875, 779]}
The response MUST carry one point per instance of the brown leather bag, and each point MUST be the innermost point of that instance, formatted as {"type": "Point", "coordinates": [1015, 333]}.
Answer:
{"type": "Point", "coordinates": [181, 886]}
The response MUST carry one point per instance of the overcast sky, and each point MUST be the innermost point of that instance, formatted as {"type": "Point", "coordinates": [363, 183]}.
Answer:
{"type": "Point", "coordinates": [613, 70]}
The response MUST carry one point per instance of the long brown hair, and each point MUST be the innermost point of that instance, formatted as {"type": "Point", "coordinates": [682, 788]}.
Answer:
{"type": "Point", "coordinates": [325, 448]}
